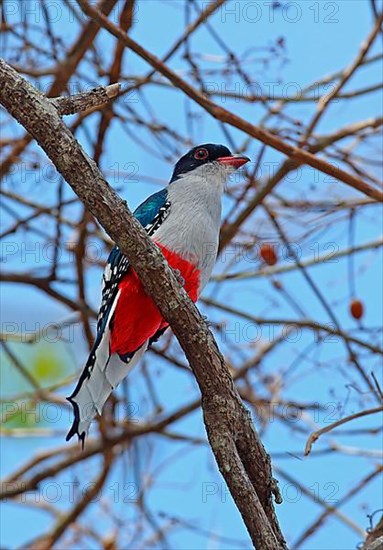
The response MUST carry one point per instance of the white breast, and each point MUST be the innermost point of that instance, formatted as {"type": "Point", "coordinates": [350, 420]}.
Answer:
{"type": "Point", "coordinates": [192, 226]}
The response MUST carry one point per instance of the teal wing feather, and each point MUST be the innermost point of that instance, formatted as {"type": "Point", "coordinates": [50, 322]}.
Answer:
{"type": "Point", "coordinates": [151, 213]}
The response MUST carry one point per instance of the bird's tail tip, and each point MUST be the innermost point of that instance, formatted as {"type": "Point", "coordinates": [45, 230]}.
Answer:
{"type": "Point", "coordinates": [74, 430]}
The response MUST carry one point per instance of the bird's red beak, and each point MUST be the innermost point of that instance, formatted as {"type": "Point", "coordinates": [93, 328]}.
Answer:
{"type": "Point", "coordinates": [235, 160]}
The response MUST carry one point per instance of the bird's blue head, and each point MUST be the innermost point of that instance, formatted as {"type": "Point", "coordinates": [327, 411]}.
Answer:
{"type": "Point", "coordinates": [206, 154]}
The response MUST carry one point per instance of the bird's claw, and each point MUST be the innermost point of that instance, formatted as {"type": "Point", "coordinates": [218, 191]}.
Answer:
{"type": "Point", "coordinates": [179, 277]}
{"type": "Point", "coordinates": [206, 319]}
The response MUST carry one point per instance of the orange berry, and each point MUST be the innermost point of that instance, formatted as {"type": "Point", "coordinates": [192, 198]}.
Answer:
{"type": "Point", "coordinates": [356, 309]}
{"type": "Point", "coordinates": [268, 254]}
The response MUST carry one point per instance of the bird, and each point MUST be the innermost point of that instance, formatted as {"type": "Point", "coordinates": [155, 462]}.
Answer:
{"type": "Point", "coordinates": [183, 220]}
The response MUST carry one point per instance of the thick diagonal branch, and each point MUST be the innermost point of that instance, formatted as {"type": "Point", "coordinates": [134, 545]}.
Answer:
{"type": "Point", "coordinates": [238, 450]}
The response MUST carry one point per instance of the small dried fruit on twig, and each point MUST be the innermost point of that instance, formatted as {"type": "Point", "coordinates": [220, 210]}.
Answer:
{"type": "Point", "coordinates": [356, 309]}
{"type": "Point", "coordinates": [268, 254]}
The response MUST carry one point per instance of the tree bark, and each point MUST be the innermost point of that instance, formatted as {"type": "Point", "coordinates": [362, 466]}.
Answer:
{"type": "Point", "coordinates": [374, 540]}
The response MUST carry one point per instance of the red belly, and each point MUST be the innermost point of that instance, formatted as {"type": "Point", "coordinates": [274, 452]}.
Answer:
{"type": "Point", "coordinates": [137, 318]}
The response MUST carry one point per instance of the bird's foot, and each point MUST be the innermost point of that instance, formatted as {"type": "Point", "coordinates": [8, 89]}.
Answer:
{"type": "Point", "coordinates": [179, 277]}
{"type": "Point", "coordinates": [206, 319]}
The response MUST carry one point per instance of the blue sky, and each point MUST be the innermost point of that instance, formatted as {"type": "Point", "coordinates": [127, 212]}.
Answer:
{"type": "Point", "coordinates": [321, 37]}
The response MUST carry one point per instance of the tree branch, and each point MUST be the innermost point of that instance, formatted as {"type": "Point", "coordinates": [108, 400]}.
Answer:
{"type": "Point", "coordinates": [314, 436]}
{"type": "Point", "coordinates": [238, 450]}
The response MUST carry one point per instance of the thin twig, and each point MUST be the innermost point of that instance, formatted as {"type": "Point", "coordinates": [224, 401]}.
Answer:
{"type": "Point", "coordinates": [315, 435]}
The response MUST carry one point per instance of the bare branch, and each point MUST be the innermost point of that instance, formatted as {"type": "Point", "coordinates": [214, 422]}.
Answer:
{"type": "Point", "coordinates": [239, 452]}
{"type": "Point", "coordinates": [315, 435]}
{"type": "Point", "coordinates": [297, 156]}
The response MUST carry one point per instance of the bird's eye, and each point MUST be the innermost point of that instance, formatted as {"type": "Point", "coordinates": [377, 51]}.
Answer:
{"type": "Point", "coordinates": [201, 154]}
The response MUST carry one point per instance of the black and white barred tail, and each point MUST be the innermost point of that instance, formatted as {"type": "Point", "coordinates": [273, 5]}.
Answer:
{"type": "Point", "coordinates": [102, 373]}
